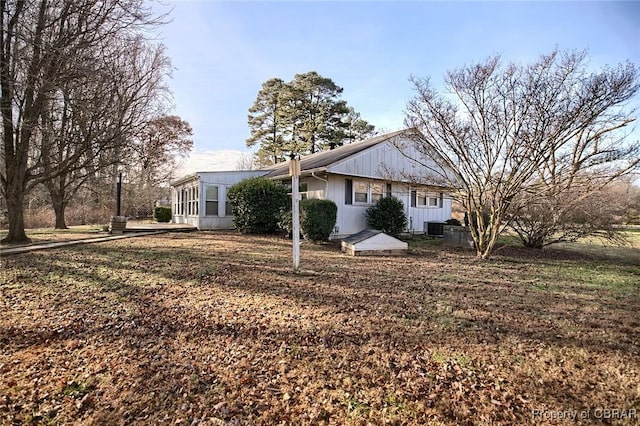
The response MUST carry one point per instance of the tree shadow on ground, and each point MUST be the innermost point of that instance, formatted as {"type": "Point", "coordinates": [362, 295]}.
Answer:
{"type": "Point", "coordinates": [222, 319]}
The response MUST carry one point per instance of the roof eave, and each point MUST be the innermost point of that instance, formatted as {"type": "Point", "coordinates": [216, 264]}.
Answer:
{"type": "Point", "coordinates": [303, 173]}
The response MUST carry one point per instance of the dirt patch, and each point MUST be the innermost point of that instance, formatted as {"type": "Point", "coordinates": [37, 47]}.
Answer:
{"type": "Point", "coordinates": [214, 328]}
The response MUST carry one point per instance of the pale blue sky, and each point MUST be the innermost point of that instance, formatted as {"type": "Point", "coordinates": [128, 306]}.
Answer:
{"type": "Point", "coordinates": [223, 51]}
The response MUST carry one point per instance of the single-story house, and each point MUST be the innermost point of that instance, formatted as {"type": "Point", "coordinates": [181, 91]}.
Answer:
{"type": "Point", "coordinates": [354, 176]}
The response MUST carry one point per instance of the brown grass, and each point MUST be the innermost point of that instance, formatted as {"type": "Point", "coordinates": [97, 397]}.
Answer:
{"type": "Point", "coordinates": [214, 328]}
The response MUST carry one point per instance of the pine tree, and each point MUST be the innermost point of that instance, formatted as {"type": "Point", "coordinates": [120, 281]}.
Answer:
{"type": "Point", "coordinates": [266, 121]}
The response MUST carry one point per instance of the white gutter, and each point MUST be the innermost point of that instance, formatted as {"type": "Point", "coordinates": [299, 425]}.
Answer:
{"type": "Point", "coordinates": [313, 174]}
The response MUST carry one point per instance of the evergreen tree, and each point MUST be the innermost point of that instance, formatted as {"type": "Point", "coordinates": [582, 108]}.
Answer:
{"type": "Point", "coordinates": [321, 112]}
{"type": "Point", "coordinates": [355, 128]}
{"type": "Point", "coordinates": [303, 116]}
{"type": "Point", "coordinates": [266, 121]}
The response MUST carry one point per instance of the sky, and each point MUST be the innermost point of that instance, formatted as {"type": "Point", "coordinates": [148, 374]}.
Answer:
{"type": "Point", "coordinates": [222, 52]}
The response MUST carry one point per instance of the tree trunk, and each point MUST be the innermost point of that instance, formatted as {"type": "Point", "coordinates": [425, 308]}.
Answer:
{"type": "Point", "coordinates": [15, 212]}
{"type": "Point", "coordinates": [59, 207]}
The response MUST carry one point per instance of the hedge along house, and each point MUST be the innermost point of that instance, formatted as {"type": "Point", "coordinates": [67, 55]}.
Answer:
{"type": "Point", "coordinates": [200, 199]}
{"type": "Point", "coordinates": [357, 175]}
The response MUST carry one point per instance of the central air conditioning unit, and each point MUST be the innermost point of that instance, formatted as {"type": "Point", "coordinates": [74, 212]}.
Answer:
{"type": "Point", "coordinates": [434, 229]}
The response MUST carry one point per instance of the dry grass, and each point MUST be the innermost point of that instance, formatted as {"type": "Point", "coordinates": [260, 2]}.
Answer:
{"type": "Point", "coordinates": [48, 235]}
{"type": "Point", "coordinates": [214, 328]}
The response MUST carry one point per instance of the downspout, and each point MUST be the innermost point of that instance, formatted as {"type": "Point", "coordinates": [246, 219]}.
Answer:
{"type": "Point", "coordinates": [326, 183]}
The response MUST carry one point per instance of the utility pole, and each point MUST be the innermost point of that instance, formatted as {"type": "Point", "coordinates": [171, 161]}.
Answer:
{"type": "Point", "coordinates": [294, 172]}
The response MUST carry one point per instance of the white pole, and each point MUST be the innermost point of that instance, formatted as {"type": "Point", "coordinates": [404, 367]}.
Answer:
{"type": "Point", "coordinates": [295, 198]}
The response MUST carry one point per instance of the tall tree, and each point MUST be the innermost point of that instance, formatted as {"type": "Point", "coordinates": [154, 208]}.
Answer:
{"type": "Point", "coordinates": [157, 147]}
{"type": "Point", "coordinates": [355, 128]}
{"type": "Point", "coordinates": [44, 47]}
{"type": "Point", "coordinates": [267, 120]}
{"type": "Point", "coordinates": [303, 116]}
{"type": "Point", "coordinates": [93, 121]}
{"type": "Point", "coordinates": [503, 122]}
{"type": "Point", "coordinates": [320, 111]}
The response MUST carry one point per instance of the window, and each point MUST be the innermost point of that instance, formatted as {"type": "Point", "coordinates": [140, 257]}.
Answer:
{"type": "Point", "coordinates": [228, 210]}
{"type": "Point", "coordinates": [364, 192]}
{"type": "Point", "coordinates": [193, 201]}
{"type": "Point", "coordinates": [360, 192]}
{"type": "Point", "coordinates": [211, 202]}
{"type": "Point", "coordinates": [174, 196]}
{"type": "Point", "coordinates": [303, 189]}
{"type": "Point", "coordinates": [377, 191]}
{"type": "Point", "coordinates": [424, 199]}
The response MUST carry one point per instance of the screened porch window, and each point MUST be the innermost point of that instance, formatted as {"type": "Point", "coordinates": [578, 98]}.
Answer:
{"type": "Point", "coordinates": [211, 201]}
{"type": "Point", "coordinates": [193, 201]}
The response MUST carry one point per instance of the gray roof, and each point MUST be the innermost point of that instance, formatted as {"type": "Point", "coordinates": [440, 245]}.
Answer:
{"type": "Point", "coordinates": [320, 160]}
{"type": "Point", "coordinates": [365, 234]}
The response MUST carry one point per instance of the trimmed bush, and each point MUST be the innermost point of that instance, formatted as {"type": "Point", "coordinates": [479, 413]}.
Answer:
{"type": "Point", "coordinates": [452, 221]}
{"type": "Point", "coordinates": [388, 216]}
{"type": "Point", "coordinates": [162, 214]}
{"type": "Point", "coordinates": [256, 204]}
{"type": "Point", "coordinates": [317, 219]}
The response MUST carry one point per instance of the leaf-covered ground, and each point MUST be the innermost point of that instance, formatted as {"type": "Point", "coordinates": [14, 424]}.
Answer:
{"type": "Point", "coordinates": [214, 329]}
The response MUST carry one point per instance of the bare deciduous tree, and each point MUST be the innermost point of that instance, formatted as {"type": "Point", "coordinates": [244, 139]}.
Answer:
{"type": "Point", "coordinates": [153, 161]}
{"type": "Point", "coordinates": [46, 48]}
{"type": "Point", "coordinates": [500, 127]}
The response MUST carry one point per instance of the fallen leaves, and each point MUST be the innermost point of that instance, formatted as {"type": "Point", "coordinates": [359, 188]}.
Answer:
{"type": "Point", "coordinates": [213, 328]}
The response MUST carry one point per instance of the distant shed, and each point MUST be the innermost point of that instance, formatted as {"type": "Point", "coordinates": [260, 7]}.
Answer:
{"type": "Point", "coordinates": [371, 242]}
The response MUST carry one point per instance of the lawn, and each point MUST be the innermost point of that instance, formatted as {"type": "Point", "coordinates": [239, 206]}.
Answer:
{"type": "Point", "coordinates": [49, 235]}
{"type": "Point", "coordinates": [215, 329]}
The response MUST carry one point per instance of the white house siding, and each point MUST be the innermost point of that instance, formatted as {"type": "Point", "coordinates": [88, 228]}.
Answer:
{"type": "Point", "coordinates": [419, 215]}
{"type": "Point", "coordinates": [383, 161]}
{"type": "Point", "coordinates": [351, 217]}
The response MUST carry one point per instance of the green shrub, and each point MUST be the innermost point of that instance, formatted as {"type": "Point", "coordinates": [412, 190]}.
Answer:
{"type": "Point", "coordinates": [317, 219]}
{"type": "Point", "coordinates": [162, 214]}
{"type": "Point", "coordinates": [256, 204]}
{"type": "Point", "coordinates": [452, 221]}
{"type": "Point", "coordinates": [388, 216]}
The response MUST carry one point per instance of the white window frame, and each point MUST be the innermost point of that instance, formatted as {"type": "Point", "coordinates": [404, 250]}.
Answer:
{"type": "Point", "coordinates": [174, 195]}
{"type": "Point", "coordinates": [375, 195]}
{"type": "Point", "coordinates": [429, 200]}
{"type": "Point", "coordinates": [375, 190]}
{"type": "Point", "coordinates": [211, 200]}
{"type": "Point", "coordinates": [193, 201]}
